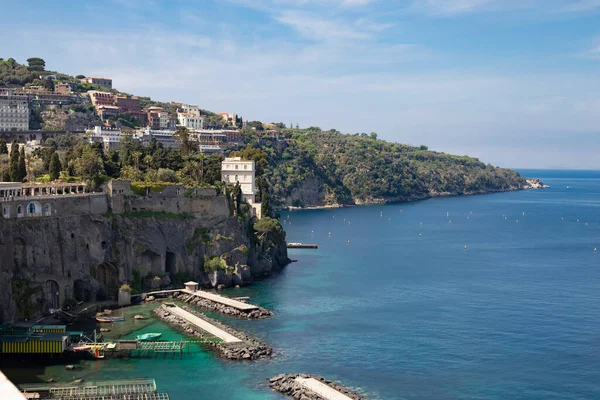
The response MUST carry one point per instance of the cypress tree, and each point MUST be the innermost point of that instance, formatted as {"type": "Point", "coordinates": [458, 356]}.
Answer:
{"type": "Point", "coordinates": [3, 147]}
{"type": "Point", "coordinates": [14, 162]}
{"type": "Point", "coordinates": [22, 167]}
{"type": "Point", "coordinates": [55, 167]}
{"type": "Point", "coordinates": [5, 176]}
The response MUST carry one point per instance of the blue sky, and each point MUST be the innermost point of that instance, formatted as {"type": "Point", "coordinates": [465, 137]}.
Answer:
{"type": "Point", "coordinates": [513, 82]}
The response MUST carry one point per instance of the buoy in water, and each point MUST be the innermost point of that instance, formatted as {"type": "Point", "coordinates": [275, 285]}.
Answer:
{"type": "Point", "coordinates": [348, 242]}
{"type": "Point", "coordinates": [523, 212]}
{"type": "Point", "coordinates": [329, 234]}
{"type": "Point", "coordinates": [594, 249]}
{"type": "Point", "coordinates": [465, 247]}
{"type": "Point", "coordinates": [517, 221]}
{"type": "Point", "coordinates": [421, 223]}
{"type": "Point", "coordinates": [420, 234]}
{"type": "Point", "coordinates": [312, 232]}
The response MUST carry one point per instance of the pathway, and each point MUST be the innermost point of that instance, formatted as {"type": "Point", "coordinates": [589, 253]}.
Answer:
{"type": "Point", "coordinates": [222, 299]}
{"type": "Point", "coordinates": [322, 389]}
{"type": "Point", "coordinates": [202, 324]}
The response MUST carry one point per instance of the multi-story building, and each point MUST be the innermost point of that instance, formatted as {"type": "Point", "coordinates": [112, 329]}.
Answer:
{"type": "Point", "coordinates": [109, 137]}
{"type": "Point", "coordinates": [235, 170]}
{"type": "Point", "coordinates": [228, 118]}
{"type": "Point", "coordinates": [190, 109]}
{"type": "Point", "coordinates": [211, 138]}
{"type": "Point", "coordinates": [190, 121]}
{"type": "Point", "coordinates": [165, 137]}
{"type": "Point", "coordinates": [106, 82]}
{"type": "Point", "coordinates": [158, 118]}
{"type": "Point", "coordinates": [101, 98]}
{"type": "Point", "coordinates": [65, 88]}
{"type": "Point", "coordinates": [14, 112]}
{"type": "Point", "coordinates": [105, 112]}
{"type": "Point", "coordinates": [233, 136]}
{"type": "Point", "coordinates": [128, 104]}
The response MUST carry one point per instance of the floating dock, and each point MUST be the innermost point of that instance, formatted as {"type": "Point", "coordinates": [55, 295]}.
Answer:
{"type": "Point", "coordinates": [327, 392]}
{"type": "Point", "coordinates": [302, 246]}
{"type": "Point", "coordinates": [132, 389]}
{"type": "Point", "coordinates": [202, 324]}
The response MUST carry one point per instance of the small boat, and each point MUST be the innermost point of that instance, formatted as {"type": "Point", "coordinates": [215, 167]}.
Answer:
{"type": "Point", "coordinates": [148, 337]}
{"type": "Point", "coordinates": [138, 316]}
{"type": "Point", "coordinates": [110, 319]}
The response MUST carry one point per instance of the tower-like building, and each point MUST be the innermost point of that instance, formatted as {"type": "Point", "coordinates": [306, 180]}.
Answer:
{"type": "Point", "coordinates": [235, 170]}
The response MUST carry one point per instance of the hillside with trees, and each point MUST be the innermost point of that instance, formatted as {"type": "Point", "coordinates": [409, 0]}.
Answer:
{"type": "Point", "coordinates": [314, 168]}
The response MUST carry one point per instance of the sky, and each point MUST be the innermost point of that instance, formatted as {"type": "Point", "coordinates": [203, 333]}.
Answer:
{"type": "Point", "coordinates": [515, 83]}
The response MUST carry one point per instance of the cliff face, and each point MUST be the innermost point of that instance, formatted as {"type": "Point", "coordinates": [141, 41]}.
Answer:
{"type": "Point", "coordinates": [47, 261]}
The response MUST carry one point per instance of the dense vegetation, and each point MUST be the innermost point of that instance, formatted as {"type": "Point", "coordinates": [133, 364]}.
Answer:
{"type": "Point", "coordinates": [361, 168]}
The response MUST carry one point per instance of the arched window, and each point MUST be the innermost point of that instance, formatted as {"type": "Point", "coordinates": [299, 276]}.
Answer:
{"type": "Point", "coordinates": [31, 208]}
{"type": "Point", "coordinates": [47, 210]}
{"type": "Point", "coordinates": [245, 167]}
{"type": "Point", "coordinates": [236, 166]}
{"type": "Point", "coordinates": [236, 178]}
{"type": "Point", "coordinates": [19, 211]}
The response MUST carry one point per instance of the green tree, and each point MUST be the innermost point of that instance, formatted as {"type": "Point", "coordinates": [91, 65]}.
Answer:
{"type": "Point", "coordinates": [3, 147]}
{"type": "Point", "coordinates": [14, 162]}
{"type": "Point", "coordinates": [186, 145]}
{"type": "Point", "coordinates": [55, 167]}
{"type": "Point", "coordinates": [22, 165]}
{"type": "Point", "coordinates": [89, 166]}
{"type": "Point", "coordinates": [36, 64]}
{"type": "Point", "coordinates": [373, 135]}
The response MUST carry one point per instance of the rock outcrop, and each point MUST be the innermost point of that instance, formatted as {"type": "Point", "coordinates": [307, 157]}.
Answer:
{"type": "Point", "coordinates": [47, 262]}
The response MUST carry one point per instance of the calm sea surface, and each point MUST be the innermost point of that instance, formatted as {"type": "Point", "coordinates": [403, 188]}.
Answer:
{"type": "Point", "coordinates": [393, 305]}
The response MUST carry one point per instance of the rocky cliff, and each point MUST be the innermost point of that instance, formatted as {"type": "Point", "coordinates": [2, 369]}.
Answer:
{"type": "Point", "coordinates": [47, 262]}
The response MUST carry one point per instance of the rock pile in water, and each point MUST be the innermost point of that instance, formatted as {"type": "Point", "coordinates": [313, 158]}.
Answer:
{"type": "Point", "coordinates": [286, 384]}
{"type": "Point", "coordinates": [247, 349]}
{"type": "Point", "coordinates": [224, 309]}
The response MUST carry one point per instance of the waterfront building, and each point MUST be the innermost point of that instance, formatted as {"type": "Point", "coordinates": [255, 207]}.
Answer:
{"type": "Point", "coordinates": [235, 170]}
{"type": "Point", "coordinates": [106, 82]}
{"type": "Point", "coordinates": [14, 112]}
{"type": "Point", "coordinates": [109, 137]}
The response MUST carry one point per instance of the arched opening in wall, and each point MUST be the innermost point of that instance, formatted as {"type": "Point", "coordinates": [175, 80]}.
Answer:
{"type": "Point", "coordinates": [108, 277]}
{"type": "Point", "coordinates": [68, 292]}
{"type": "Point", "coordinates": [52, 294]}
{"type": "Point", "coordinates": [150, 263]}
{"type": "Point", "coordinates": [19, 253]}
{"type": "Point", "coordinates": [6, 212]}
{"type": "Point", "coordinates": [171, 265]}
{"type": "Point", "coordinates": [20, 211]}
{"type": "Point", "coordinates": [47, 210]}
{"type": "Point", "coordinates": [81, 291]}
{"type": "Point", "coordinates": [34, 209]}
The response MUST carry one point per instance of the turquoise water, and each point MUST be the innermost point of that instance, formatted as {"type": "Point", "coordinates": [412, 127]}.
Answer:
{"type": "Point", "coordinates": [396, 315]}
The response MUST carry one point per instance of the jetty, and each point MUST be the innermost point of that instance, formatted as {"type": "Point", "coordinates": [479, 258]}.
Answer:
{"type": "Point", "coordinates": [302, 246]}
{"type": "Point", "coordinates": [327, 392]}
{"type": "Point", "coordinates": [202, 324]}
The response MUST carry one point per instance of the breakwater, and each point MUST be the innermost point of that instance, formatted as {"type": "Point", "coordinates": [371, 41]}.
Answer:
{"type": "Point", "coordinates": [292, 385]}
{"type": "Point", "coordinates": [246, 348]}
{"type": "Point", "coordinates": [256, 313]}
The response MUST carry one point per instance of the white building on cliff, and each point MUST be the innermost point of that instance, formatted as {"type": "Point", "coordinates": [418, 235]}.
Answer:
{"type": "Point", "coordinates": [235, 170]}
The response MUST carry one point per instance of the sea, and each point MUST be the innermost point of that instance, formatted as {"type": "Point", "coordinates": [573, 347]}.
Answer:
{"type": "Point", "coordinates": [470, 297]}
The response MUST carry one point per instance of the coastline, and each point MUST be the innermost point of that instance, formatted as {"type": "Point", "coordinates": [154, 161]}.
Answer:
{"type": "Point", "coordinates": [531, 184]}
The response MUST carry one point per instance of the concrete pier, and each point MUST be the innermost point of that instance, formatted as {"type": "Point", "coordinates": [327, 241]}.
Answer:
{"type": "Point", "coordinates": [302, 246]}
{"type": "Point", "coordinates": [202, 324]}
{"type": "Point", "coordinates": [321, 389]}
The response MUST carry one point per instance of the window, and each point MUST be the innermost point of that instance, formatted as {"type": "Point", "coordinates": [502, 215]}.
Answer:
{"type": "Point", "coordinates": [236, 178]}
{"type": "Point", "coordinates": [236, 167]}
{"type": "Point", "coordinates": [19, 211]}
{"type": "Point", "coordinates": [47, 210]}
{"type": "Point", "coordinates": [245, 167]}
{"type": "Point", "coordinates": [31, 208]}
